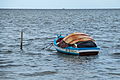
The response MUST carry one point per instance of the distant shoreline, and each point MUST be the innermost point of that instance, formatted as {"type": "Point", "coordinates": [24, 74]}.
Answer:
{"type": "Point", "coordinates": [62, 9]}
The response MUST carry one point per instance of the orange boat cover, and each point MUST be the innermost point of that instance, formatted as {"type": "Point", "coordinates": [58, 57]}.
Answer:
{"type": "Point", "coordinates": [75, 37]}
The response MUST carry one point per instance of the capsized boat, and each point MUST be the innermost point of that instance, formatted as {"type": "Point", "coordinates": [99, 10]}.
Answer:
{"type": "Point", "coordinates": [72, 49]}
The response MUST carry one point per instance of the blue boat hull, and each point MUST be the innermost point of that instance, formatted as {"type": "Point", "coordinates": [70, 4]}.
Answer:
{"type": "Point", "coordinates": [77, 51]}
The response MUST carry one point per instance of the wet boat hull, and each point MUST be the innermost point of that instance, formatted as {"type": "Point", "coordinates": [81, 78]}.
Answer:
{"type": "Point", "coordinates": [82, 52]}
{"type": "Point", "coordinates": [77, 51]}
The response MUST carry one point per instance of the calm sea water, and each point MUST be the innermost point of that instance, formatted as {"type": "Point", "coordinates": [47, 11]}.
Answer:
{"type": "Point", "coordinates": [40, 28]}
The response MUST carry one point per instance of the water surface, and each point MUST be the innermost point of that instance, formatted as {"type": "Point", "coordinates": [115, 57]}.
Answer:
{"type": "Point", "coordinates": [40, 28]}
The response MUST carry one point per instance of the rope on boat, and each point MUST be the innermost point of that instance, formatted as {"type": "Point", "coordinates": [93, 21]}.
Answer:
{"type": "Point", "coordinates": [48, 46]}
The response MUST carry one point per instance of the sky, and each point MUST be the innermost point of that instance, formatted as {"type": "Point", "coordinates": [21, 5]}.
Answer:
{"type": "Point", "coordinates": [59, 4]}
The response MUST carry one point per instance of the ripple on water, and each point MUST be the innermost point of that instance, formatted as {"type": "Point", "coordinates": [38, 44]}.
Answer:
{"type": "Point", "coordinates": [39, 73]}
{"type": "Point", "coordinates": [9, 65]}
{"type": "Point", "coordinates": [33, 53]}
{"type": "Point", "coordinates": [114, 73]}
{"type": "Point", "coordinates": [5, 62]}
{"type": "Point", "coordinates": [1, 45]}
{"type": "Point", "coordinates": [115, 56]}
{"type": "Point", "coordinates": [5, 51]}
{"type": "Point", "coordinates": [111, 68]}
{"type": "Point", "coordinates": [6, 75]}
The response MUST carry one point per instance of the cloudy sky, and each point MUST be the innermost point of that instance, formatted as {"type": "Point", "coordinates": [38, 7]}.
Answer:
{"type": "Point", "coordinates": [59, 4]}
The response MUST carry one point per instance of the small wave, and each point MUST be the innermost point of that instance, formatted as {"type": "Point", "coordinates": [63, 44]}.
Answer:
{"type": "Point", "coordinates": [1, 45]}
{"type": "Point", "coordinates": [3, 75]}
{"type": "Point", "coordinates": [5, 51]}
{"type": "Point", "coordinates": [14, 45]}
{"type": "Point", "coordinates": [9, 65]}
{"type": "Point", "coordinates": [39, 73]}
{"type": "Point", "coordinates": [104, 46]}
{"type": "Point", "coordinates": [117, 46]}
{"type": "Point", "coordinates": [117, 74]}
{"type": "Point", "coordinates": [33, 53]}
{"type": "Point", "coordinates": [111, 68]}
{"type": "Point", "coordinates": [47, 23]}
{"type": "Point", "coordinates": [5, 78]}
{"type": "Point", "coordinates": [116, 54]}
{"type": "Point", "coordinates": [45, 38]}
{"type": "Point", "coordinates": [5, 62]}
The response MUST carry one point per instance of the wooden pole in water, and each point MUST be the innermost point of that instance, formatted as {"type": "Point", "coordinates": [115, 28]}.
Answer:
{"type": "Point", "coordinates": [21, 42]}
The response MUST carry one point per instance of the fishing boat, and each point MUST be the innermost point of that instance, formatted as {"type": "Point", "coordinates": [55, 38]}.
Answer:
{"type": "Point", "coordinates": [83, 51]}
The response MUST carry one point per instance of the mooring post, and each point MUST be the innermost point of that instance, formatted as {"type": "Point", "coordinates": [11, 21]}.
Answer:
{"type": "Point", "coordinates": [21, 42]}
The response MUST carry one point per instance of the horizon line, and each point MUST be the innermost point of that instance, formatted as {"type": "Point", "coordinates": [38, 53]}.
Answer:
{"type": "Point", "coordinates": [59, 8]}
